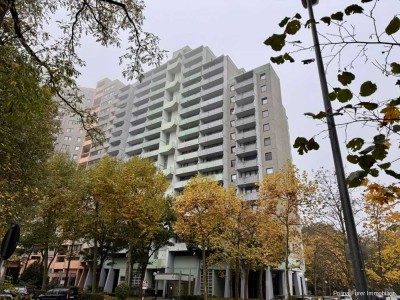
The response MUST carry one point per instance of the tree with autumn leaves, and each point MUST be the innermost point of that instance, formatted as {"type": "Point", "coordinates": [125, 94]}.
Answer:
{"type": "Point", "coordinates": [237, 231]}
{"type": "Point", "coordinates": [290, 197]}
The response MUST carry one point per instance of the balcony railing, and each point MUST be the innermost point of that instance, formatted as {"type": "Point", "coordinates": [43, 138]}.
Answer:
{"type": "Point", "coordinates": [247, 180]}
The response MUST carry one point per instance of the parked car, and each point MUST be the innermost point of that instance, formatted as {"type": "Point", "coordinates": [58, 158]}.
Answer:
{"type": "Point", "coordinates": [6, 296]}
{"type": "Point", "coordinates": [60, 294]}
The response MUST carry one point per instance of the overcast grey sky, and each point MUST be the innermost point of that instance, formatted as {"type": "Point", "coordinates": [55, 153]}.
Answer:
{"type": "Point", "coordinates": [237, 28]}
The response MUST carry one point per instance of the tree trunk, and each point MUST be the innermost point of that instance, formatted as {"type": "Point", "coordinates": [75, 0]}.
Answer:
{"type": "Point", "coordinates": [143, 267]}
{"type": "Point", "coordinates": [287, 263]}
{"type": "Point", "coordinates": [237, 276]}
{"type": "Point", "coordinates": [4, 8]}
{"type": "Point", "coordinates": [260, 284]}
{"type": "Point", "coordinates": [205, 287]}
{"type": "Point", "coordinates": [45, 267]}
{"type": "Point", "coordinates": [94, 267]}
{"type": "Point", "coordinates": [29, 255]}
{"type": "Point", "coordinates": [68, 266]}
{"type": "Point", "coordinates": [131, 263]}
{"type": "Point", "coordinates": [246, 283]}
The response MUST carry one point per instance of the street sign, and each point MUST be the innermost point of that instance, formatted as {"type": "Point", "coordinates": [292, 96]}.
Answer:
{"type": "Point", "coordinates": [145, 285]}
{"type": "Point", "coordinates": [10, 241]}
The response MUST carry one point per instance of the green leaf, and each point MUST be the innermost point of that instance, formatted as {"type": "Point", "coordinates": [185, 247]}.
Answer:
{"type": "Point", "coordinates": [396, 128]}
{"type": "Point", "coordinates": [300, 143]}
{"type": "Point", "coordinates": [367, 89]}
{"type": "Point", "coordinates": [286, 56]}
{"type": "Point", "coordinates": [276, 41]}
{"type": "Point", "coordinates": [356, 178]}
{"type": "Point", "coordinates": [393, 26]}
{"type": "Point", "coordinates": [284, 22]}
{"type": "Point", "coordinates": [278, 60]}
{"type": "Point", "coordinates": [318, 116]}
{"type": "Point", "coordinates": [355, 144]}
{"type": "Point", "coordinates": [398, 82]}
{"type": "Point", "coordinates": [337, 16]}
{"type": "Point", "coordinates": [346, 78]}
{"type": "Point", "coordinates": [353, 9]}
{"type": "Point", "coordinates": [385, 165]}
{"type": "Point", "coordinates": [312, 144]}
{"type": "Point", "coordinates": [332, 96]}
{"type": "Point", "coordinates": [374, 172]}
{"type": "Point", "coordinates": [369, 105]}
{"type": "Point", "coordinates": [326, 20]}
{"type": "Point", "coordinates": [379, 139]}
{"type": "Point", "coordinates": [309, 22]}
{"type": "Point", "coordinates": [344, 95]}
{"type": "Point", "coordinates": [368, 149]}
{"type": "Point", "coordinates": [292, 27]}
{"type": "Point", "coordinates": [297, 16]}
{"type": "Point", "coordinates": [366, 161]}
{"type": "Point", "coordinates": [365, 1]}
{"type": "Point", "coordinates": [393, 174]}
{"type": "Point", "coordinates": [308, 61]}
{"type": "Point", "coordinates": [352, 158]}
{"type": "Point", "coordinates": [395, 68]}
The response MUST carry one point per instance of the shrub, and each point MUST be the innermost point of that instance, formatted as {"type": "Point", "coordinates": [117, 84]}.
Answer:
{"type": "Point", "coordinates": [91, 296]}
{"type": "Point", "coordinates": [123, 291]}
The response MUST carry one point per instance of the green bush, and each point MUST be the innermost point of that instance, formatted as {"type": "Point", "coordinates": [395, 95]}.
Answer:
{"type": "Point", "coordinates": [123, 291]}
{"type": "Point", "coordinates": [91, 296]}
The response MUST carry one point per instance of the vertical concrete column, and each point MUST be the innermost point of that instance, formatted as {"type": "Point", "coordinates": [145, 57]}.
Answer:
{"type": "Point", "coordinates": [227, 292]}
{"type": "Point", "coordinates": [88, 281]}
{"type": "Point", "coordinates": [304, 283]}
{"type": "Point", "coordinates": [269, 289]}
{"type": "Point", "coordinates": [297, 284]}
{"type": "Point", "coordinates": [102, 278]}
{"type": "Point", "coordinates": [108, 287]}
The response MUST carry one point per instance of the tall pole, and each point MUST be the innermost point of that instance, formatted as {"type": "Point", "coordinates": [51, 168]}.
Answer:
{"type": "Point", "coordinates": [360, 278]}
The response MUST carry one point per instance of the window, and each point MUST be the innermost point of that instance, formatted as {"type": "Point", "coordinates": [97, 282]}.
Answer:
{"type": "Point", "coordinates": [262, 76]}
{"type": "Point", "coordinates": [263, 88]}
{"type": "Point", "coordinates": [77, 148]}
{"type": "Point", "coordinates": [233, 149]}
{"type": "Point", "coordinates": [69, 130]}
{"type": "Point", "coordinates": [233, 136]}
{"type": "Point", "coordinates": [232, 123]}
{"type": "Point", "coordinates": [267, 141]}
{"type": "Point", "coordinates": [233, 177]}
{"type": "Point", "coordinates": [65, 147]}
{"type": "Point", "coordinates": [266, 127]}
{"type": "Point", "coordinates": [233, 99]}
{"type": "Point", "coordinates": [232, 88]}
{"type": "Point", "coordinates": [232, 111]}
{"type": "Point", "coordinates": [79, 139]}
{"type": "Point", "coordinates": [75, 157]}
{"type": "Point", "coordinates": [268, 156]}
{"type": "Point", "coordinates": [265, 113]}
{"type": "Point", "coordinates": [270, 171]}
{"type": "Point", "coordinates": [67, 138]}
{"type": "Point", "coordinates": [264, 100]}
{"type": "Point", "coordinates": [233, 163]}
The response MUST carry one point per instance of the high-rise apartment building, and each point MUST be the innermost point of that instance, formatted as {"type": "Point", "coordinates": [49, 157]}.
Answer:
{"type": "Point", "coordinates": [199, 113]}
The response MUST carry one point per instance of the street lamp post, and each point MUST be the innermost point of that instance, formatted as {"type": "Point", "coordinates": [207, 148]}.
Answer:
{"type": "Point", "coordinates": [354, 247]}
{"type": "Point", "coordinates": [156, 285]}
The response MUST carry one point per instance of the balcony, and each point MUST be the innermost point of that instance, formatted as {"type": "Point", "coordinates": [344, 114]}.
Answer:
{"type": "Point", "coordinates": [188, 145]}
{"type": "Point", "coordinates": [134, 139]}
{"type": "Point", "coordinates": [246, 136]}
{"type": "Point", "coordinates": [247, 165]}
{"type": "Point", "coordinates": [156, 103]}
{"type": "Point", "coordinates": [245, 98]}
{"type": "Point", "coordinates": [189, 133]}
{"type": "Point", "coordinates": [213, 150]}
{"type": "Point", "coordinates": [212, 92]}
{"type": "Point", "coordinates": [192, 60]}
{"type": "Point", "coordinates": [168, 172]}
{"type": "Point", "coordinates": [244, 86]}
{"type": "Point", "coordinates": [212, 126]}
{"type": "Point", "coordinates": [157, 93]}
{"type": "Point", "coordinates": [190, 111]}
{"type": "Point", "coordinates": [192, 79]}
{"type": "Point", "coordinates": [186, 170]}
{"type": "Point", "coordinates": [244, 123]}
{"type": "Point", "coordinates": [137, 128]}
{"type": "Point", "coordinates": [247, 181]}
{"type": "Point", "coordinates": [151, 144]}
{"type": "Point", "coordinates": [138, 110]}
{"type": "Point", "coordinates": [210, 165]}
{"type": "Point", "coordinates": [213, 114]}
{"type": "Point", "coordinates": [172, 86]}
{"type": "Point", "coordinates": [189, 121]}
{"type": "Point", "coordinates": [171, 105]}
{"type": "Point", "coordinates": [167, 149]}
{"type": "Point", "coordinates": [149, 134]}
{"type": "Point", "coordinates": [170, 126]}
{"type": "Point", "coordinates": [151, 124]}
{"type": "Point", "coordinates": [215, 69]}
{"type": "Point", "coordinates": [188, 157]}
{"type": "Point", "coordinates": [250, 196]}
{"type": "Point", "coordinates": [191, 89]}
{"type": "Point", "coordinates": [174, 67]}
{"type": "Point", "coordinates": [180, 184]}
{"type": "Point", "coordinates": [246, 150]}
{"type": "Point", "coordinates": [190, 100]}
{"type": "Point", "coordinates": [245, 110]}
{"type": "Point", "coordinates": [152, 154]}
{"type": "Point", "coordinates": [212, 103]}
{"type": "Point", "coordinates": [134, 150]}
{"type": "Point", "coordinates": [213, 80]}
{"type": "Point", "coordinates": [211, 139]}
{"type": "Point", "coordinates": [155, 112]}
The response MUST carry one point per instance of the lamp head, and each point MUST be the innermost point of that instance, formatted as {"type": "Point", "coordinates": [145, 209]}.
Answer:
{"type": "Point", "coordinates": [313, 2]}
